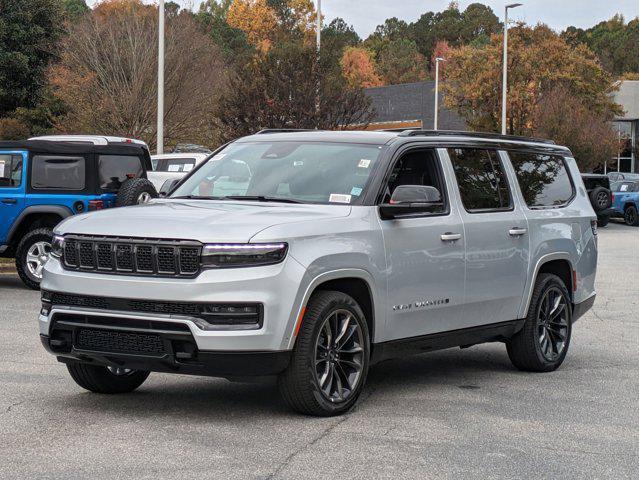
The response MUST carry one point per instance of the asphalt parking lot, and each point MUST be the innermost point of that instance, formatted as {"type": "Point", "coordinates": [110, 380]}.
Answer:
{"type": "Point", "coordinates": [450, 414]}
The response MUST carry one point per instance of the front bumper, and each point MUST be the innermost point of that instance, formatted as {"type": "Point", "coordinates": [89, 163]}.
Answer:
{"type": "Point", "coordinates": [276, 287]}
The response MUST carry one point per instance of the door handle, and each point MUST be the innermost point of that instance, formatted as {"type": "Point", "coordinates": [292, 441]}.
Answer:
{"type": "Point", "coordinates": [9, 201]}
{"type": "Point", "coordinates": [450, 237]}
{"type": "Point", "coordinates": [517, 232]}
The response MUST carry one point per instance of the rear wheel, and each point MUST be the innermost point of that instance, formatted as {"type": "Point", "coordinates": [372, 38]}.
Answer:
{"type": "Point", "coordinates": [330, 360]}
{"type": "Point", "coordinates": [99, 379]}
{"type": "Point", "coordinates": [135, 191]}
{"type": "Point", "coordinates": [542, 344]}
{"type": "Point", "coordinates": [630, 216]}
{"type": "Point", "coordinates": [32, 254]}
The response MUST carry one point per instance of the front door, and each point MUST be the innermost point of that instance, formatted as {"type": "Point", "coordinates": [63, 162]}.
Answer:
{"type": "Point", "coordinates": [496, 234]}
{"type": "Point", "coordinates": [11, 190]}
{"type": "Point", "coordinates": [424, 255]}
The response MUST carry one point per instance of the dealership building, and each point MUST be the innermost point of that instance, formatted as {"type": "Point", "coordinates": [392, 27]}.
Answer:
{"type": "Point", "coordinates": [412, 105]}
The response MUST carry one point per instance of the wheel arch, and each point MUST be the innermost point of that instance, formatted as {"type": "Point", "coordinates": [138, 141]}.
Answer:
{"type": "Point", "coordinates": [559, 264]}
{"type": "Point", "coordinates": [36, 216]}
{"type": "Point", "coordinates": [357, 283]}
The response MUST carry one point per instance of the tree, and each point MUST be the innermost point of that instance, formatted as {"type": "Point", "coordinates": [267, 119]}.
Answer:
{"type": "Point", "coordinates": [338, 35]}
{"type": "Point", "coordinates": [567, 120]}
{"type": "Point", "coordinates": [232, 42]}
{"type": "Point", "coordinates": [29, 34]}
{"type": "Point", "coordinates": [256, 19]}
{"type": "Point", "coordinates": [13, 129]}
{"type": "Point", "coordinates": [400, 62]}
{"type": "Point", "coordinates": [358, 67]}
{"type": "Point", "coordinates": [107, 75]}
{"type": "Point", "coordinates": [538, 61]}
{"type": "Point", "coordinates": [75, 8]}
{"type": "Point", "coordinates": [279, 89]}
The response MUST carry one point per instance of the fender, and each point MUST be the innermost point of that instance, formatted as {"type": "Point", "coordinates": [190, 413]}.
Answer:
{"type": "Point", "coordinates": [64, 212]}
{"type": "Point", "coordinates": [324, 277]}
{"type": "Point", "coordinates": [531, 282]}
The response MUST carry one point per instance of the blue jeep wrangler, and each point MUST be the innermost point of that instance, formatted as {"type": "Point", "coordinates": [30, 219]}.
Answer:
{"type": "Point", "coordinates": [43, 182]}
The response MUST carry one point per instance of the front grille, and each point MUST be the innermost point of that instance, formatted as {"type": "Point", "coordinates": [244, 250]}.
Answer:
{"type": "Point", "coordinates": [111, 341]}
{"type": "Point", "coordinates": [166, 258]}
{"type": "Point", "coordinates": [249, 315]}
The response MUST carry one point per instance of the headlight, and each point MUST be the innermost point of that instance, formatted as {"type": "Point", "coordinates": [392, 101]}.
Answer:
{"type": "Point", "coordinates": [57, 246]}
{"type": "Point", "coordinates": [225, 255]}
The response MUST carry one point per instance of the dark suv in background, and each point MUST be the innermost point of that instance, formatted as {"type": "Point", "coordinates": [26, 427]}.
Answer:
{"type": "Point", "coordinates": [600, 195]}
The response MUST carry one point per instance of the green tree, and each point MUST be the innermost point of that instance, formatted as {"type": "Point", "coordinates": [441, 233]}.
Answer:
{"type": "Point", "coordinates": [338, 35]}
{"type": "Point", "coordinates": [399, 61]}
{"type": "Point", "coordinates": [75, 8]}
{"type": "Point", "coordinates": [231, 41]}
{"type": "Point", "coordinates": [29, 35]}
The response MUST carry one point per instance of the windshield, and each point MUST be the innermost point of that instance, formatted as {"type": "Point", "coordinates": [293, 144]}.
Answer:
{"type": "Point", "coordinates": [285, 171]}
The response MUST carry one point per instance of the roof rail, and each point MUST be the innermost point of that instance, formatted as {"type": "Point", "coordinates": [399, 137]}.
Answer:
{"type": "Point", "coordinates": [487, 135]}
{"type": "Point", "coordinates": [284, 130]}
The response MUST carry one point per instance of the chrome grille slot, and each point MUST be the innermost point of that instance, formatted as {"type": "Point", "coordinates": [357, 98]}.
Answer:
{"type": "Point", "coordinates": [134, 256]}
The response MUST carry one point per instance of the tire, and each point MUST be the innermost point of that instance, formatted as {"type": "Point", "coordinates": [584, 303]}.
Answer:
{"type": "Point", "coordinates": [603, 220]}
{"type": "Point", "coordinates": [600, 198]}
{"type": "Point", "coordinates": [99, 379]}
{"type": "Point", "coordinates": [37, 242]}
{"type": "Point", "coordinates": [135, 191]}
{"type": "Point", "coordinates": [314, 388]}
{"type": "Point", "coordinates": [527, 349]}
{"type": "Point", "coordinates": [630, 216]}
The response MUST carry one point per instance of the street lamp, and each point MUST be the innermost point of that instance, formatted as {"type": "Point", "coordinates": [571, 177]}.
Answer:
{"type": "Point", "coordinates": [160, 120]}
{"type": "Point", "coordinates": [435, 122]}
{"type": "Point", "coordinates": [505, 73]}
{"type": "Point", "coordinates": [319, 24]}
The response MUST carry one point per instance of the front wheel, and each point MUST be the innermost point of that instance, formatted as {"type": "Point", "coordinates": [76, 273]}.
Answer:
{"type": "Point", "coordinates": [99, 379]}
{"type": "Point", "coordinates": [330, 359]}
{"type": "Point", "coordinates": [542, 344]}
{"type": "Point", "coordinates": [31, 256]}
{"type": "Point", "coordinates": [631, 217]}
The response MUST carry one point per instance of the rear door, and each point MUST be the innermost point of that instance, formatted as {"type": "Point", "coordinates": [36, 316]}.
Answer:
{"type": "Point", "coordinates": [496, 236]}
{"type": "Point", "coordinates": [12, 168]}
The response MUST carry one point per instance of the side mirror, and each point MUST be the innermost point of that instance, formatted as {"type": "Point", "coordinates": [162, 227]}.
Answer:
{"type": "Point", "coordinates": [168, 186]}
{"type": "Point", "coordinates": [411, 200]}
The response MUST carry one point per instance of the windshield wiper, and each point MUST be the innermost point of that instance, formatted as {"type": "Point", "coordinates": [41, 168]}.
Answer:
{"type": "Point", "coordinates": [260, 198]}
{"type": "Point", "coordinates": [195, 197]}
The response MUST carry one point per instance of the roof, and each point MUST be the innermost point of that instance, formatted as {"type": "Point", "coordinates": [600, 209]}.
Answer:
{"type": "Point", "coordinates": [95, 139]}
{"type": "Point", "coordinates": [58, 147]}
{"type": "Point", "coordinates": [195, 155]}
{"type": "Point", "coordinates": [386, 137]}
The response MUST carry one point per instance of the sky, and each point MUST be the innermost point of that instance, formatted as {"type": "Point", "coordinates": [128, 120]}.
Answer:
{"type": "Point", "coordinates": [365, 15]}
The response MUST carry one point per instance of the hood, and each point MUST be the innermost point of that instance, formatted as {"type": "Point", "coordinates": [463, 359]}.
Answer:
{"type": "Point", "coordinates": [207, 221]}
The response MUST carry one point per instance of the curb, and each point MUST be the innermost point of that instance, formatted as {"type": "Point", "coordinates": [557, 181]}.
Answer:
{"type": "Point", "coordinates": [7, 268]}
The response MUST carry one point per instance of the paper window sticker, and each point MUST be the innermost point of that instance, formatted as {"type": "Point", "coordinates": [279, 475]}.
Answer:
{"type": "Point", "coordinates": [2, 170]}
{"type": "Point", "coordinates": [356, 191]}
{"type": "Point", "coordinates": [174, 168]}
{"type": "Point", "coordinates": [339, 198]}
{"type": "Point", "coordinates": [364, 163]}
{"type": "Point", "coordinates": [624, 188]}
{"type": "Point", "coordinates": [298, 163]}
{"type": "Point", "coordinates": [188, 167]}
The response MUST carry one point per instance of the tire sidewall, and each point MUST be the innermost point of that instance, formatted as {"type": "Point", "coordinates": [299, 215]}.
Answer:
{"type": "Point", "coordinates": [131, 190]}
{"type": "Point", "coordinates": [551, 281]}
{"type": "Point", "coordinates": [350, 305]}
{"type": "Point", "coordinates": [632, 209]}
{"type": "Point", "coordinates": [32, 237]}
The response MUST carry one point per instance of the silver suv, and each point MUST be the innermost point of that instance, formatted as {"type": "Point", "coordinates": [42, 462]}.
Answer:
{"type": "Point", "coordinates": [311, 256]}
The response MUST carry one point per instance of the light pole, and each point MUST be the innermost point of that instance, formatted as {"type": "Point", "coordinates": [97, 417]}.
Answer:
{"type": "Point", "coordinates": [160, 121]}
{"type": "Point", "coordinates": [504, 92]}
{"type": "Point", "coordinates": [319, 24]}
{"type": "Point", "coordinates": [436, 121]}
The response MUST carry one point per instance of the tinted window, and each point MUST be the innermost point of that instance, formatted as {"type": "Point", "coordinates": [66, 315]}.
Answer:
{"type": "Point", "coordinates": [481, 179]}
{"type": "Point", "coordinates": [10, 170]}
{"type": "Point", "coordinates": [58, 172]}
{"type": "Point", "coordinates": [544, 179]}
{"type": "Point", "coordinates": [175, 164]}
{"type": "Point", "coordinates": [115, 169]}
{"type": "Point", "coordinates": [624, 187]}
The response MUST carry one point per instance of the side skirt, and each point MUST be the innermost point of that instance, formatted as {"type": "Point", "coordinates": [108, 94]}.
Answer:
{"type": "Point", "coordinates": [465, 337]}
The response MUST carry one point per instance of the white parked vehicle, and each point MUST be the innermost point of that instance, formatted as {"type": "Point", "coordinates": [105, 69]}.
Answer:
{"type": "Point", "coordinates": [173, 166]}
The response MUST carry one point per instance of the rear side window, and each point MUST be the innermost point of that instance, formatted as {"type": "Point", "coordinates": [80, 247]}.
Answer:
{"type": "Point", "coordinates": [544, 179]}
{"type": "Point", "coordinates": [115, 169]}
{"type": "Point", "coordinates": [175, 164]}
{"type": "Point", "coordinates": [57, 172]}
{"type": "Point", "coordinates": [10, 170]}
{"type": "Point", "coordinates": [481, 179]}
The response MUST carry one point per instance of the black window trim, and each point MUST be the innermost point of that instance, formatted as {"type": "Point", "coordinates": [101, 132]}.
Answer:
{"type": "Point", "coordinates": [476, 211]}
{"type": "Point", "coordinates": [397, 155]}
{"type": "Point", "coordinates": [570, 179]}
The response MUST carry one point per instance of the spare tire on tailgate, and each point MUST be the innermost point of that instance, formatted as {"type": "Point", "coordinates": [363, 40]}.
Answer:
{"type": "Point", "coordinates": [600, 198]}
{"type": "Point", "coordinates": [135, 191]}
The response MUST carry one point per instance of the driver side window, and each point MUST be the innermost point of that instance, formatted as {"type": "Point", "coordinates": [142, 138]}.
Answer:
{"type": "Point", "coordinates": [417, 167]}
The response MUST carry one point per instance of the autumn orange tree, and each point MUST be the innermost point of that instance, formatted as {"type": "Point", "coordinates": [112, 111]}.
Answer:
{"type": "Point", "coordinates": [358, 67]}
